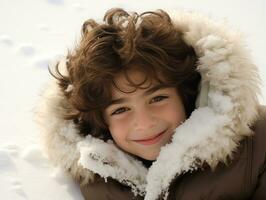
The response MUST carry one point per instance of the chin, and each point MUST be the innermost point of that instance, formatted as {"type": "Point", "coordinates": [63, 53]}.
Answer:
{"type": "Point", "coordinates": [150, 157]}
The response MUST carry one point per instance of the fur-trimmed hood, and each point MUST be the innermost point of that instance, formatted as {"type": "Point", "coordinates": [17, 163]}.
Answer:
{"type": "Point", "coordinates": [226, 107]}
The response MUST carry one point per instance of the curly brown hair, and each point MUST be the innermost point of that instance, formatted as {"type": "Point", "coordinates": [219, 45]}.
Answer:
{"type": "Point", "coordinates": [149, 40]}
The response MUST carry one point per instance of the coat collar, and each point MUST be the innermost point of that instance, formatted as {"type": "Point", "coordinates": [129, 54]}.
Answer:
{"type": "Point", "coordinates": [226, 107]}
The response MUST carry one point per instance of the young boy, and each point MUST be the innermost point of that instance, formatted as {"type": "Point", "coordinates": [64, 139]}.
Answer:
{"type": "Point", "coordinates": [156, 107]}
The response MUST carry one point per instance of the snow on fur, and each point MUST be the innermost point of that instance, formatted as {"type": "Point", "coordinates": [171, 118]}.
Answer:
{"type": "Point", "coordinates": [108, 161]}
{"type": "Point", "coordinates": [191, 141]}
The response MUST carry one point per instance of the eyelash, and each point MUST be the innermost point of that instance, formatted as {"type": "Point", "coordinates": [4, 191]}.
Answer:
{"type": "Point", "coordinates": [123, 109]}
{"type": "Point", "coordinates": [161, 97]}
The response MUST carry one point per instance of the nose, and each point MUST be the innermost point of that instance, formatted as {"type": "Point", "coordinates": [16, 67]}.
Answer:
{"type": "Point", "coordinates": [144, 120]}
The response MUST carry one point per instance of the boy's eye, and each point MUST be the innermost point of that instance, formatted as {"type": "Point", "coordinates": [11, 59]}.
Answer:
{"type": "Point", "coordinates": [119, 111]}
{"type": "Point", "coordinates": [158, 98]}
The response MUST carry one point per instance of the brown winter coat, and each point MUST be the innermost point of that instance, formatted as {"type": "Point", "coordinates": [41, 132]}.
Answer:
{"type": "Point", "coordinates": [243, 178]}
{"type": "Point", "coordinates": [225, 133]}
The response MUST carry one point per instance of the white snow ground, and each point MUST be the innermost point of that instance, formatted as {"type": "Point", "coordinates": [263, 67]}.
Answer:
{"type": "Point", "coordinates": [35, 32]}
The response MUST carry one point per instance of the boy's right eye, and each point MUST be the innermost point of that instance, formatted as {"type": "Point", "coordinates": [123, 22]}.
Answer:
{"type": "Point", "coordinates": [119, 111]}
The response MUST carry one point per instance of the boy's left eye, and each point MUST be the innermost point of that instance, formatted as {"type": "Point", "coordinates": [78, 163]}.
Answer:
{"type": "Point", "coordinates": [158, 98]}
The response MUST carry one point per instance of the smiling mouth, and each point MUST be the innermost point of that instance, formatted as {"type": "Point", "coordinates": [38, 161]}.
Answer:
{"type": "Point", "coordinates": [152, 140]}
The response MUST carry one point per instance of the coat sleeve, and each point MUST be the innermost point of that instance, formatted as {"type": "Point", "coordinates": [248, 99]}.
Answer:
{"type": "Point", "coordinates": [260, 192]}
{"type": "Point", "coordinates": [110, 190]}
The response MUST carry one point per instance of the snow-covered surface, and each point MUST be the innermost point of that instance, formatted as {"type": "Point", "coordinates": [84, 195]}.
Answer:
{"type": "Point", "coordinates": [33, 33]}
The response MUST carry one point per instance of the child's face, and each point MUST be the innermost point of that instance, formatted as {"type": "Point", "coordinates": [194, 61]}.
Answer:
{"type": "Point", "coordinates": [143, 121]}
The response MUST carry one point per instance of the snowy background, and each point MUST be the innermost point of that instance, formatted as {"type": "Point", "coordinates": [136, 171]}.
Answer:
{"type": "Point", "coordinates": [33, 33]}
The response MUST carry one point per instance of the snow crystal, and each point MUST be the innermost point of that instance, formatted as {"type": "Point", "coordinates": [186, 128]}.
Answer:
{"type": "Point", "coordinates": [69, 131]}
{"type": "Point", "coordinates": [220, 102]}
{"type": "Point", "coordinates": [211, 41]}
{"type": "Point", "coordinates": [69, 88]}
{"type": "Point", "coordinates": [222, 69]}
{"type": "Point", "coordinates": [108, 161]}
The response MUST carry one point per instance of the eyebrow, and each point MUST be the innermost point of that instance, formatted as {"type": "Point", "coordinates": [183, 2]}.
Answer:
{"type": "Point", "coordinates": [147, 92]}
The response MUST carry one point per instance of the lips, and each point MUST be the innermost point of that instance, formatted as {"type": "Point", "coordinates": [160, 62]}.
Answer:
{"type": "Point", "coordinates": [151, 140]}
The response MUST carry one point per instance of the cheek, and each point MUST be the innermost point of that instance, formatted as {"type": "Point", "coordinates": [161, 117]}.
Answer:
{"type": "Point", "coordinates": [175, 113]}
{"type": "Point", "coordinates": [178, 117]}
{"type": "Point", "coordinates": [119, 130]}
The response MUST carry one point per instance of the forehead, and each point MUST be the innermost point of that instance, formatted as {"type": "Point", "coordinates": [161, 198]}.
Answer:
{"type": "Point", "coordinates": [133, 79]}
